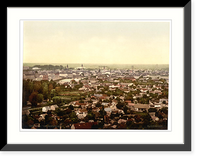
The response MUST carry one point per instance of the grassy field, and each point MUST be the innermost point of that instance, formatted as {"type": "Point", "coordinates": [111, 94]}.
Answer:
{"type": "Point", "coordinates": [68, 93]}
{"type": "Point", "coordinates": [66, 97]}
{"type": "Point", "coordinates": [141, 113]}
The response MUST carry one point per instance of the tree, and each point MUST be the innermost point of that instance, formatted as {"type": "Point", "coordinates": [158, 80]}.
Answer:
{"type": "Point", "coordinates": [68, 111]}
{"type": "Point", "coordinates": [53, 93]}
{"type": "Point", "coordinates": [102, 112]}
{"type": "Point", "coordinates": [30, 87]}
{"type": "Point", "coordinates": [159, 114]}
{"type": "Point", "coordinates": [145, 96]}
{"type": "Point", "coordinates": [53, 122]}
{"type": "Point", "coordinates": [73, 117]}
{"type": "Point", "coordinates": [120, 105]}
{"type": "Point", "coordinates": [146, 119]}
{"type": "Point", "coordinates": [67, 121]}
{"type": "Point", "coordinates": [40, 98]}
{"type": "Point", "coordinates": [91, 115]}
{"type": "Point", "coordinates": [45, 90]}
{"type": "Point", "coordinates": [137, 118]}
{"type": "Point", "coordinates": [27, 121]}
{"type": "Point", "coordinates": [164, 110]}
{"type": "Point", "coordinates": [71, 107]}
{"type": "Point", "coordinates": [130, 124]}
{"type": "Point", "coordinates": [48, 119]}
{"type": "Point", "coordinates": [58, 112]}
{"type": "Point", "coordinates": [152, 110]}
{"type": "Point", "coordinates": [57, 89]}
{"type": "Point", "coordinates": [25, 93]}
{"type": "Point", "coordinates": [98, 105]}
{"type": "Point", "coordinates": [33, 99]}
{"type": "Point", "coordinates": [50, 87]}
{"type": "Point", "coordinates": [125, 109]}
{"type": "Point", "coordinates": [27, 90]}
{"type": "Point", "coordinates": [61, 67]}
{"type": "Point", "coordinates": [37, 86]}
{"type": "Point", "coordinates": [118, 99]}
{"type": "Point", "coordinates": [164, 102]}
{"type": "Point", "coordinates": [128, 97]}
{"type": "Point", "coordinates": [57, 100]}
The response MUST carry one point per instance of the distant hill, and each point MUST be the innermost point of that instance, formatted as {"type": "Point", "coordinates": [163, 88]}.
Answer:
{"type": "Point", "coordinates": [109, 66]}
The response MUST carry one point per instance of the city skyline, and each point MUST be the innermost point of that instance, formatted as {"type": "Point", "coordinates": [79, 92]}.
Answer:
{"type": "Point", "coordinates": [101, 42]}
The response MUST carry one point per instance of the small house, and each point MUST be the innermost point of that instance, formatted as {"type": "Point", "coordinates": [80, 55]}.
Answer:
{"type": "Point", "coordinates": [45, 109]}
{"type": "Point", "coordinates": [53, 107]}
{"type": "Point", "coordinates": [141, 107]}
{"type": "Point", "coordinates": [131, 106]}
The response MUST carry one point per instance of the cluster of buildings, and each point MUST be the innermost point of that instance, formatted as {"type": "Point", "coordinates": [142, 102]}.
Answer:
{"type": "Point", "coordinates": [38, 74]}
{"type": "Point", "coordinates": [113, 117]}
{"type": "Point", "coordinates": [104, 91]}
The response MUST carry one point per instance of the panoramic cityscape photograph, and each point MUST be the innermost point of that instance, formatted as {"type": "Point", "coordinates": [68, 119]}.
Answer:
{"type": "Point", "coordinates": [95, 75]}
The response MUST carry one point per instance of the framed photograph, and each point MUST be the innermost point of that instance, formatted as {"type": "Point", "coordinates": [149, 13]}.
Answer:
{"type": "Point", "coordinates": [98, 78]}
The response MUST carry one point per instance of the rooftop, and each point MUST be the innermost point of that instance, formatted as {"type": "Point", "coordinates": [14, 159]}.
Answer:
{"type": "Point", "coordinates": [141, 105]}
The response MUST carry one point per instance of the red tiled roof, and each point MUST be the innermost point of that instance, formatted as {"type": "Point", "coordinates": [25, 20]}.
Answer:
{"type": "Point", "coordinates": [87, 125]}
{"type": "Point", "coordinates": [102, 97]}
{"type": "Point", "coordinates": [83, 110]}
{"type": "Point", "coordinates": [131, 104]}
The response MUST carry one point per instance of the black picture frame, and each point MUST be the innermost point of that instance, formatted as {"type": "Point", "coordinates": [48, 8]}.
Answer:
{"type": "Point", "coordinates": [125, 147]}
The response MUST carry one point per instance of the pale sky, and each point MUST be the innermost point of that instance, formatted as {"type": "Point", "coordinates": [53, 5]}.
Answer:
{"type": "Point", "coordinates": [106, 42]}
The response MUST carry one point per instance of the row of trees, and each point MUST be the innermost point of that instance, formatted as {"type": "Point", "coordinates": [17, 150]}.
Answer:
{"type": "Point", "coordinates": [50, 67]}
{"type": "Point", "coordinates": [36, 91]}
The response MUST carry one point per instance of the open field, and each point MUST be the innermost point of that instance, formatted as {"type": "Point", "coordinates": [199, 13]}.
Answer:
{"type": "Point", "coordinates": [67, 97]}
{"type": "Point", "coordinates": [68, 93]}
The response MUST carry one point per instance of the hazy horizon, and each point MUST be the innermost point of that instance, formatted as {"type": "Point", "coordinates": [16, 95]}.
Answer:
{"type": "Point", "coordinates": [89, 63]}
{"type": "Point", "coordinates": [110, 66]}
{"type": "Point", "coordinates": [96, 42]}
